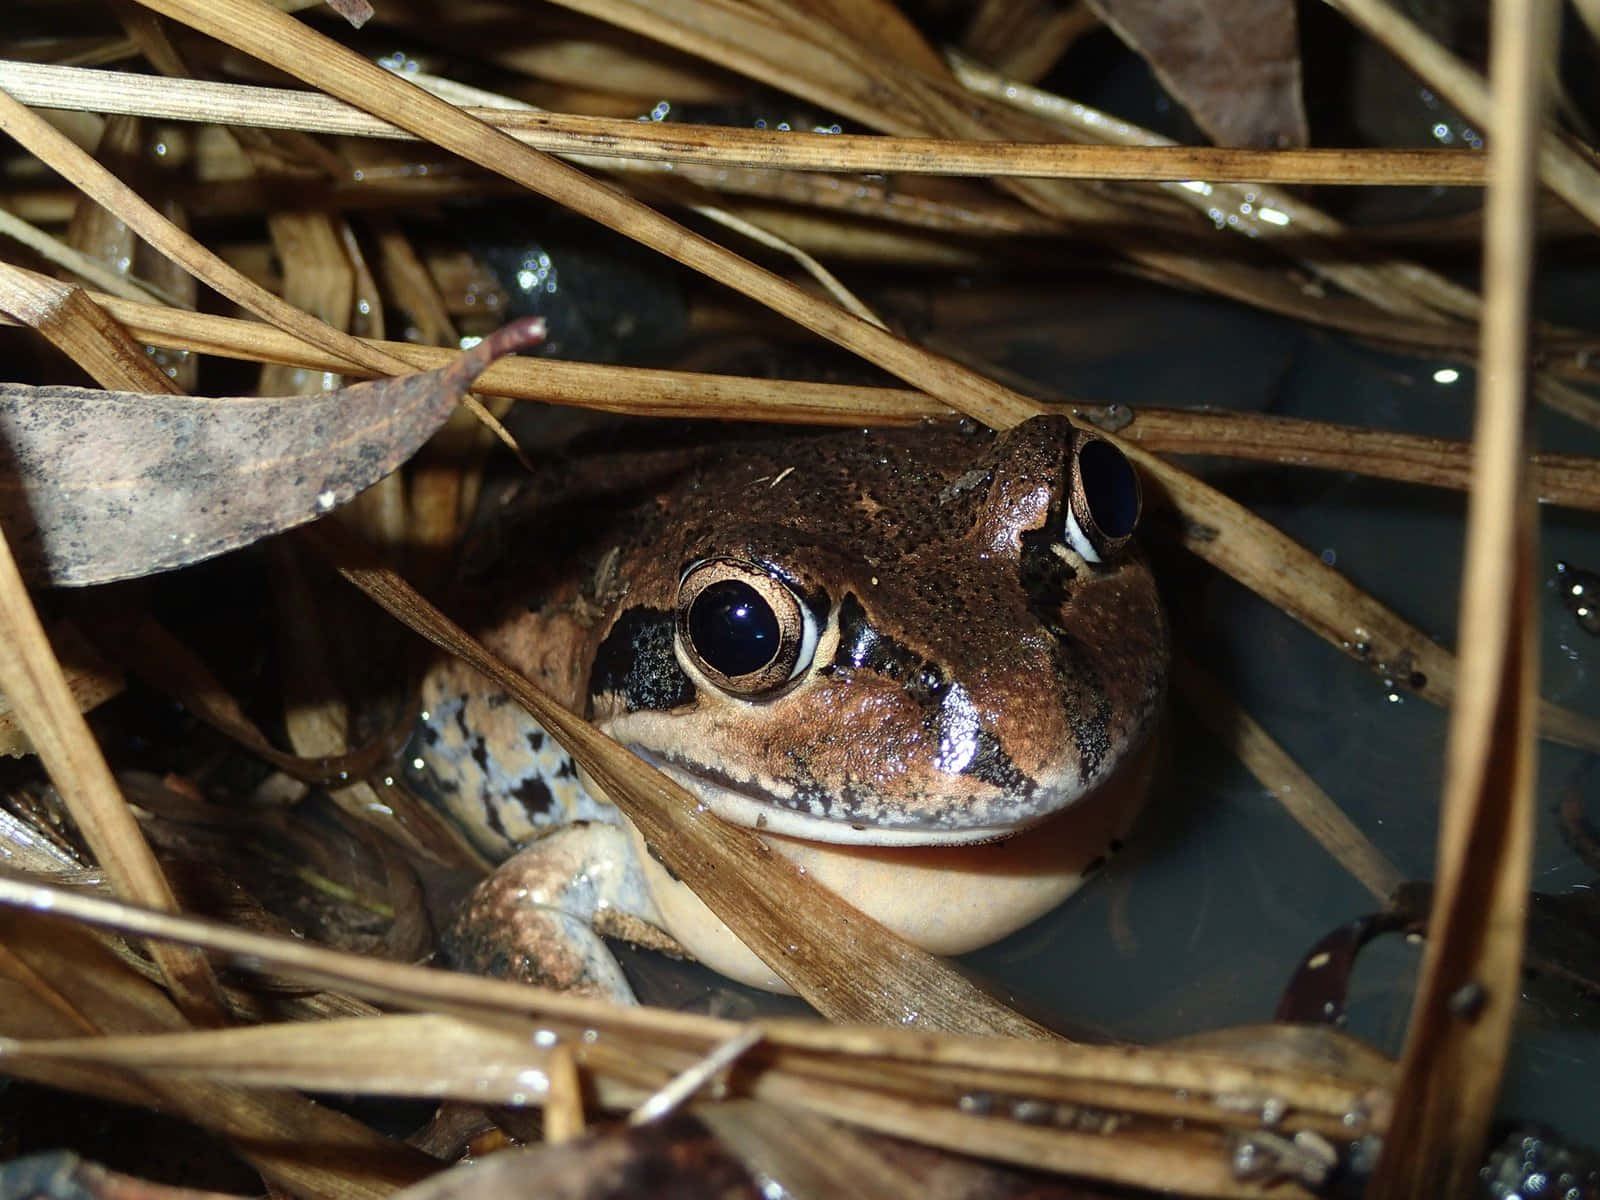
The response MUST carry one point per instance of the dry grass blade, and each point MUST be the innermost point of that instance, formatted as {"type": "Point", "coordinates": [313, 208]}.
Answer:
{"type": "Point", "coordinates": [54, 148]}
{"type": "Point", "coordinates": [1262, 212]}
{"type": "Point", "coordinates": [754, 891]}
{"type": "Point", "coordinates": [826, 279]}
{"type": "Point", "coordinates": [636, 390]}
{"type": "Point", "coordinates": [1564, 170]}
{"type": "Point", "coordinates": [1198, 1072]}
{"type": "Point", "coordinates": [1460, 1033]}
{"type": "Point", "coordinates": [1561, 479]}
{"type": "Point", "coordinates": [782, 1143]}
{"type": "Point", "coordinates": [682, 1087]}
{"type": "Point", "coordinates": [1186, 1163]}
{"type": "Point", "coordinates": [564, 1101]}
{"type": "Point", "coordinates": [45, 86]}
{"type": "Point", "coordinates": [81, 329]}
{"type": "Point", "coordinates": [70, 985]}
{"type": "Point", "coordinates": [80, 264]}
{"type": "Point", "coordinates": [823, 65]}
{"type": "Point", "coordinates": [382, 981]}
{"type": "Point", "coordinates": [1571, 480]}
{"type": "Point", "coordinates": [445, 1057]}
{"type": "Point", "coordinates": [284, 42]}
{"type": "Point", "coordinates": [893, 1080]}
{"type": "Point", "coordinates": [1253, 551]}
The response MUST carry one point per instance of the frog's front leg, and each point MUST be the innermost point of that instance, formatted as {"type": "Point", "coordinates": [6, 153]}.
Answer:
{"type": "Point", "coordinates": [538, 918]}
{"type": "Point", "coordinates": [567, 873]}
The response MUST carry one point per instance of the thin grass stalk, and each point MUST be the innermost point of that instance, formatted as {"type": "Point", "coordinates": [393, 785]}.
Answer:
{"type": "Point", "coordinates": [1565, 480]}
{"type": "Point", "coordinates": [1260, 212]}
{"type": "Point", "coordinates": [100, 185]}
{"type": "Point", "coordinates": [613, 1054]}
{"type": "Point", "coordinates": [46, 86]}
{"type": "Point", "coordinates": [1183, 1163]}
{"type": "Point", "coordinates": [259, 30]}
{"type": "Point", "coordinates": [1296, 792]}
{"type": "Point", "coordinates": [70, 984]}
{"type": "Point", "coordinates": [1460, 1031]}
{"type": "Point", "coordinates": [829, 69]}
{"type": "Point", "coordinates": [683, 1038]}
{"type": "Point", "coordinates": [784, 1143]}
{"type": "Point", "coordinates": [91, 270]}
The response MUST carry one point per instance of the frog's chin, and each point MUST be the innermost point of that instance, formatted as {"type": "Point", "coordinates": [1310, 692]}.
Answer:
{"type": "Point", "coordinates": [755, 811]}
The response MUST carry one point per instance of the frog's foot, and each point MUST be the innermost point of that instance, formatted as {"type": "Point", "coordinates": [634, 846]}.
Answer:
{"type": "Point", "coordinates": [535, 919]}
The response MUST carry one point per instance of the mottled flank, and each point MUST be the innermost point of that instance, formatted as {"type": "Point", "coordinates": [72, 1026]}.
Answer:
{"type": "Point", "coordinates": [497, 774]}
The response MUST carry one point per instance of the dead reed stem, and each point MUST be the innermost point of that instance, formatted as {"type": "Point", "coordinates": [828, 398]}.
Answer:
{"type": "Point", "coordinates": [1461, 1020]}
{"type": "Point", "coordinates": [1565, 480]}
{"type": "Point", "coordinates": [81, 89]}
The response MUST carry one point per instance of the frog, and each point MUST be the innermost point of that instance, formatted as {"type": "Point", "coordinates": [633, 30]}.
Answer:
{"type": "Point", "coordinates": [926, 664]}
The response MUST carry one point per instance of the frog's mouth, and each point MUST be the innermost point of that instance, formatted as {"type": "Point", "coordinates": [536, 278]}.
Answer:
{"type": "Point", "coordinates": [871, 821]}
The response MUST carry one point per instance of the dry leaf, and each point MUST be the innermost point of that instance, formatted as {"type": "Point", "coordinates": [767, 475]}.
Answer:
{"type": "Point", "coordinates": [1234, 64]}
{"type": "Point", "coordinates": [96, 486]}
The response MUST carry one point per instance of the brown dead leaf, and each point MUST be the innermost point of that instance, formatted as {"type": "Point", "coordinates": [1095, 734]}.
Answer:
{"type": "Point", "coordinates": [1234, 64]}
{"type": "Point", "coordinates": [96, 485]}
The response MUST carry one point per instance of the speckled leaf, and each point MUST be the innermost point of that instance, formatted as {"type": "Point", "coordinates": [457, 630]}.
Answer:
{"type": "Point", "coordinates": [1234, 64]}
{"type": "Point", "coordinates": [98, 485]}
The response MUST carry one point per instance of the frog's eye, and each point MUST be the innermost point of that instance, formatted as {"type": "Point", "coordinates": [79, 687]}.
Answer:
{"type": "Point", "coordinates": [1102, 499]}
{"type": "Point", "coordinates": [748, 632]}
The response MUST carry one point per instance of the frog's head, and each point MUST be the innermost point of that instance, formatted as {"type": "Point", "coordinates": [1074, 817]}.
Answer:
{"type": "Point", "coordinates": [893, 638]}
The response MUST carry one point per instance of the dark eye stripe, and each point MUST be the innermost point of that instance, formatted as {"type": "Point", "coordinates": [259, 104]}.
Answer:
{"type": "Point", "coordinates": [636, 661]}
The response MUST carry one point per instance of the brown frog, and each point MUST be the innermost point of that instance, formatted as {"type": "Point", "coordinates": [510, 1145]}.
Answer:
{"type": "Point", "coordinates": [925, 663]}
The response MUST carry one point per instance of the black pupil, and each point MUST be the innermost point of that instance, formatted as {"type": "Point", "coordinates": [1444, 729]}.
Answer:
{"type": "Point", "coordinates": [1110, 487]}
{"type": "Point", "coordinates": [733, 629]}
